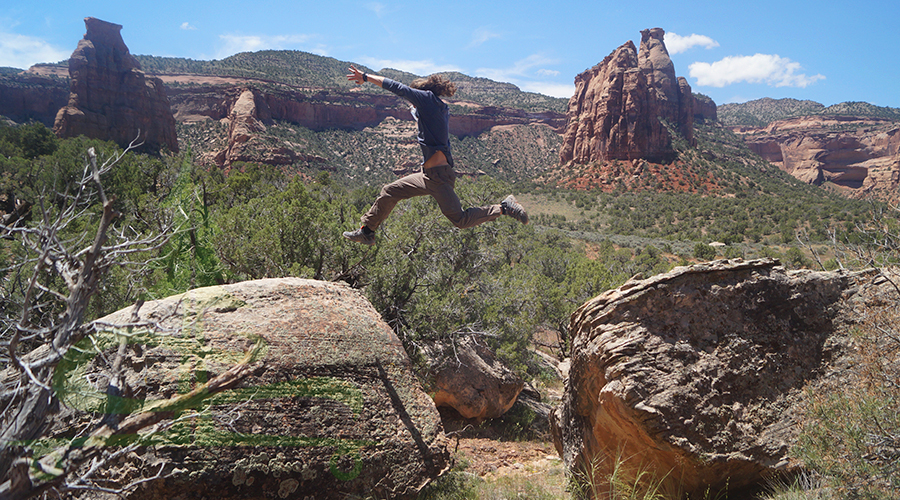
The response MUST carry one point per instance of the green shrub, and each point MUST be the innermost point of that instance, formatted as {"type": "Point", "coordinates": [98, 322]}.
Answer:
{"type": "Point", "coordinates": [703, 251]}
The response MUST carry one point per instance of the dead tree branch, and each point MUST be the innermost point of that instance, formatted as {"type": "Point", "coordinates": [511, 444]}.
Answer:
{"type": "Point", "coordinates": [54, 281]}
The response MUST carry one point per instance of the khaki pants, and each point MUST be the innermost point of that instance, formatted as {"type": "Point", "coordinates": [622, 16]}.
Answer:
{"type": "Point", "coordinates": [438, 182]}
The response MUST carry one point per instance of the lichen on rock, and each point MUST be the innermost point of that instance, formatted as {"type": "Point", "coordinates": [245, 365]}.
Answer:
{"type": "Point", "coordinates": [332, 409]}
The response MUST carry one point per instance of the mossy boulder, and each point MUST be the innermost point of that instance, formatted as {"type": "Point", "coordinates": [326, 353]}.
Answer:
{"type": "Point", "coordinates": [333, 409]}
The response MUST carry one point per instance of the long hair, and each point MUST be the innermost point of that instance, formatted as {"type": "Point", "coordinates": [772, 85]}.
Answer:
{"type": "Point", "coordinates": [441, 86]}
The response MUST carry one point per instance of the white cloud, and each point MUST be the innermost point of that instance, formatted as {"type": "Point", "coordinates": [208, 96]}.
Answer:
{"type": "Point", "coordinates": [187, 26]}
{"type": "Point", "coordinates": [21, 51]}
{"type": "Point", "coordinates": [677, 44]}
{"type": "Point", "coordinates": [521, 68]}
{"type": "Point", "coordinates": [550, 89]}
{"type": "Point", "coordinates": [423, 67]}
{"type": "Point", "coordinates": [759, 68]}
{"type": "Point", "coordinates": [480, 36]}
{"type": "Point", "coordinates": [377, 8]}
{"type": "Point", "coordinates": [233, 44]}
{"type": "Point", "coordinates": [523, 74]}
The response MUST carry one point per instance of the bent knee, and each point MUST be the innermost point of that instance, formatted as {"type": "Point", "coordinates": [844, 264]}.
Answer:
{"type": "Point", "coordinates": [456, 218]}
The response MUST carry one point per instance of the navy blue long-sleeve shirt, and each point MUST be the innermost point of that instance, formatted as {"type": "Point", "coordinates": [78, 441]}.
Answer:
{"type": "Point", "coordinates": [432, 116]}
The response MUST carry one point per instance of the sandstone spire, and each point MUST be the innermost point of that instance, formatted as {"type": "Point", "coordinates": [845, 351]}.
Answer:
{"type": "Point", "coordinates": [619, 106]}
{"type": "Point", "coordinates": [110, 97]}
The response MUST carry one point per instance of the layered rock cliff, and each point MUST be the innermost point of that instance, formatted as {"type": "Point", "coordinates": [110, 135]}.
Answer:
{"type": "Point", "coordinates": [247, 109]}
{"type": "Point", "coordinates": [111, 98]}
{"type": "Point", "coordinates": [619, 106]}
{"type": "Point", "coordinates": [25, 97]}
{"type": "Point", "coordinates": [859, 154]}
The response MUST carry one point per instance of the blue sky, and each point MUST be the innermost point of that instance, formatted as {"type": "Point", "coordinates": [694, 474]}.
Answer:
{"type": "Point", "coordinates": [731, 51]}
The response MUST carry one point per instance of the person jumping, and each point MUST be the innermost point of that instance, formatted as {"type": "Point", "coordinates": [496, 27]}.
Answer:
{"type": "Point", "coordinates": [437, 178]}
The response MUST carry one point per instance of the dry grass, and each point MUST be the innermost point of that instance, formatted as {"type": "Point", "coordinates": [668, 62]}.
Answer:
{"type": "Point", "coordinates": [502, 470]}
{"type": "Point", "coordinates": [852, 433]}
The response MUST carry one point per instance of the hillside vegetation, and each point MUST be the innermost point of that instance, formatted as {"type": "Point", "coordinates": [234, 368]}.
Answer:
{"type": "Point", "coordinates": [762, 112]}
{"type": "Point", "coordinates": [302, 69]}
{"type": "Point", "coordinates": [754, 207]}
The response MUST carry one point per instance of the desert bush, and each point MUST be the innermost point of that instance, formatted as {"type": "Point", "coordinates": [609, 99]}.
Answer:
{"type": "Point", "coordinates": [851, 434]}
{"type": "Point", "coordinates": [625, 479]}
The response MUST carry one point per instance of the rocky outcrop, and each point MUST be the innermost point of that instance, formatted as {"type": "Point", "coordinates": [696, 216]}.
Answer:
{"type": "Point", "coordinates": [244, 143]}
{"type": "Point", "coordinates": [861, 154]}
{"type": "Point", "coordinates": [322, 109]}
{"type": "Point", "coordinates": [705, 109]}
{"type": "Point", "coordinates": [619, 106]}
{"type": "Point", "coordinates": [697, 375]}
{"type": "Point", "coordinates": [467, 377]}
{"type": "Point", "coordinates": [333, 410]}
{"type": "Point", "coordinates": [671, 97]}
{"type": "Point", "coordinates": [111, 98]}
{"type": "Point", "coordinates": [26, 97]}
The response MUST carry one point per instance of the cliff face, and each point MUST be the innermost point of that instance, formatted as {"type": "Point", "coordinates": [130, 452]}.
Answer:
{"type": "Point", "coordinates": [671, 97]}
{"type": "Point", "coordinates": [26, 97]}
{"type": "Point", "coordinates": [619, 105]}
{"type": "Point", "coordinates": [110, 97]}
{"type": "Point", "coordinates": [247, 110]}
{"type": "Point", "coordinates": [705, 109]}
{"type": "Point", "coordinates": [859, 154]}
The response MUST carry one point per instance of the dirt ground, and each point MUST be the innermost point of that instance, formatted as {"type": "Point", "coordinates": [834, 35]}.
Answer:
{"type": "Point", "coordinates": [491, 459]}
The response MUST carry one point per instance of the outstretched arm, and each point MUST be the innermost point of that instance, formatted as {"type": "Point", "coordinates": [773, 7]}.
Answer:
{"type": "Point", "coordinates": [359, 77]}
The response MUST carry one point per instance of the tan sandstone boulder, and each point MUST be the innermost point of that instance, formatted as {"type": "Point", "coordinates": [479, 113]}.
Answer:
{"type": "Point", "coordinates": [470, 379]}
{"type": "Point", "coordinates": [332, 412]}
{"type": "Point", "coordinates": [697, 375]}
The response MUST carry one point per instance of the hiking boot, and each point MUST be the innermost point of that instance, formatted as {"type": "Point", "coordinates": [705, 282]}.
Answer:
{"type": "Point", "coordinates": [511, 207]}
{"type": "Point", "coordinates": [361, 235]}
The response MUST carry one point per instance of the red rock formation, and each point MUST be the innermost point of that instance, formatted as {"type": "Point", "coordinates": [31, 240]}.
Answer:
{"type": "Point", "coordinates": [861, 154]}
{"type": "Point", "coordinates": [705, 108]}
{"type": "Point", "coordinates": [674, 100]}
{"type": "Point", "coordinates": [324, 109]}
{"type": "Point", "coordinates": [619, 105]}
{"type": "Point", "coordinates": [111, 98]}
{"type": "Point", "coordinates": [26, 97]}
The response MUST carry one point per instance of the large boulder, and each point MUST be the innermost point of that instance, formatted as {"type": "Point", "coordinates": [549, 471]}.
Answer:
{"type": "Point", "coordinates": [697, 375]}
{"type": "Point", "coordinates": [467, 377]}
{"type": "Point", "coordinates": [332, 412]}
{"type": "Point", "coordinates": [111, 98]}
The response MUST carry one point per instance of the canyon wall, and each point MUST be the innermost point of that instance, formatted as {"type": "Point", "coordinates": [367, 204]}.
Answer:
{"type": "Point", "coordinates": [247, 109]}
{"type": "Point", "coordinates": [860, 155]}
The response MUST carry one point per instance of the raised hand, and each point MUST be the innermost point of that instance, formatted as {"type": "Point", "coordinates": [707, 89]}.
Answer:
{"type": "Point", "coordinates": [355, 75]}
